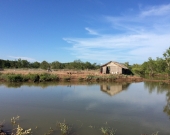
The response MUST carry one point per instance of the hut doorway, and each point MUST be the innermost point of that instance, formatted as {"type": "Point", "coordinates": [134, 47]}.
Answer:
{"type": "Point", "coordinates": [107, 70]}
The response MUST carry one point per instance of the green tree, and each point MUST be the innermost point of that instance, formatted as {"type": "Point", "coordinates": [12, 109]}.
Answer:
{"type": "Point", "coordinates": [44, 65]}
{"type": "Point", "coordinates": [167, 59]}
{"type": "Point", "coordinates": [56, 65]}
{"type": "Point", "coordinates": [35, 65]}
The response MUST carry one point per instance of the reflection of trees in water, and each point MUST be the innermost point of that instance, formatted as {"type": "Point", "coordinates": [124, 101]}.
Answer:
{"type": "Point", "coordinates": [41, 84]}
{"type": "Point", "coordinates": [114, 88]}
{"type": "Point", "coordinates": [160, 87]}
{"type": "Point", "coordinates": [167, 107]}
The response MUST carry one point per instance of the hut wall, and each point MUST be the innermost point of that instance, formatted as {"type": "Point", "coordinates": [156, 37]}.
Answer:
{"type": "Point", "coordinates": [104, 70]}
{"type": "Point", "coordinates": [115, 69]}
{"type": "Point", "coordinates": [120, 70]}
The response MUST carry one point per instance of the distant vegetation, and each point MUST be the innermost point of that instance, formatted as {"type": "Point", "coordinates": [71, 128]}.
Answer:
{"type": "Point", "coordinates": [77, 64]}
{"type": "Point", "coordinates": [151, 67]}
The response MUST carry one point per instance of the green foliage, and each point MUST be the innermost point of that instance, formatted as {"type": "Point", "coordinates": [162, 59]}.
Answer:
{"type": "Point", "coordinates": [25, 78]}
{"type": "Point", "coordinates": [77, 64]}
{"type": "Point", "coordinates": [44, 65]}
{"type": "Point", "coordinates": [33, 77]}
{"type": "Point", "coordinates": [35, 65]}
{"type": "Point", "coordinates": [14, 78]}
{"type": "Point", "coordinates": [48, 77]}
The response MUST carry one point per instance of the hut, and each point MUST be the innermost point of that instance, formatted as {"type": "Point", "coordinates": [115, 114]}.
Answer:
{"type": "Point", "coordinates": [114, 68]}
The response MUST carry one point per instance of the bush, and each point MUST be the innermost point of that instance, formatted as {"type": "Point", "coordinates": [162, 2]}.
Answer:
{"type": "Point", "coordinates": [25, 78]}
{"type": "Point", "coordinates": [44, 77]}
{"type": "Point", "coordinates": [54, 77]}
{"type": "Point", "coordinates": [33, 77]}
{"type": "Point", "coordinates": [48, 77]}
{"type": "Point", "coordinates": [14, 78]}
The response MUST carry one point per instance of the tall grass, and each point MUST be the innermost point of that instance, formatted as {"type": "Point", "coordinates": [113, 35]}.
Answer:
{"type": "Point", "coordinates": [11, 77]}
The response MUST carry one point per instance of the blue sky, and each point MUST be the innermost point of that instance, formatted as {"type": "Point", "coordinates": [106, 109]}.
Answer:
{"type": "Point", "coordinates": [90, 30]}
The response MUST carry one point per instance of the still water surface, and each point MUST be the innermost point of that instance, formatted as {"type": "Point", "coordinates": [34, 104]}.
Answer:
{"type": "Point", "coordinates": [129, 108]}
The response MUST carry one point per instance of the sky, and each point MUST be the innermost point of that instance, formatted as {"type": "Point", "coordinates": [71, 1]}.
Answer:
{"type": "Point", "coordinates": [96, 31]}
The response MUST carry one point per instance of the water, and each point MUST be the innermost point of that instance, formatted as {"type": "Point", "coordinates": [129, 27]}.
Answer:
{"type": "Point", "coordinates": [131, 109]}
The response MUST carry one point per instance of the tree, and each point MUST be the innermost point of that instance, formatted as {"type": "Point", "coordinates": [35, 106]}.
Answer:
{"type": "Point", "coordinates": [44, 65]}
{"type": "Point", "coordinates": [35, 65]}
{"type": "Point", "coordinates": [167, 58]}
{"type": "Point", "coordinates": [151, 65]}
{"type": "Point", "coordinates": [56, 65]}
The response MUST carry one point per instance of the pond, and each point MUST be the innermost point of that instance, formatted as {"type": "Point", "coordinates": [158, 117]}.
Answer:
{"type": "Point", "coordinates": [128, 108]}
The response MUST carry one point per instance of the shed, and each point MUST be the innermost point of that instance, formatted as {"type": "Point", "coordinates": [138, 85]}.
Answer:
{"type": "Point", "coordinates": [114, 68]}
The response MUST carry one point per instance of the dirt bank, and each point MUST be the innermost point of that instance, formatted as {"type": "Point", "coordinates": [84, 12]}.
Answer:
{"type": "Point", "coordinates": [81, 75]}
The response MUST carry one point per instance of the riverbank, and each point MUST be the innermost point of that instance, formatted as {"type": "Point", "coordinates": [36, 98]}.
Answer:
{"type": "Point", "coordinates": [39, 75]}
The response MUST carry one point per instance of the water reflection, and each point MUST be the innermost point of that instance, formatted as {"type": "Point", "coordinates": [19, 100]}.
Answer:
{"type": "Point", "coordinates": [114, 88]}
{"type": "Point", "coordinates": [160, 87]}
{"type": "Point", "coordinates": [136, 108]}
{"type": "Point", "coordinates": [42, 84]}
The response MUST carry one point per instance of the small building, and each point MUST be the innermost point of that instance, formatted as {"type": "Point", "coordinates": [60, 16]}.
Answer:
{"type": "Point", "coordinates": [114, 68]}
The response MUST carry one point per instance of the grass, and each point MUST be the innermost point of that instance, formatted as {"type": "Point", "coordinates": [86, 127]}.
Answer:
{"type": "Point", "coordinates": [39, 75]}
{"type": "Point", "coordinates": [11, 77]}
{"type": "Point", "coordinates": [65, 129]}
{"type": "Point", "coordinates": [106, 130]}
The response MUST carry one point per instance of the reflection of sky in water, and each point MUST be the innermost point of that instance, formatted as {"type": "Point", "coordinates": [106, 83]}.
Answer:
{"type": "Point", "coordinates": [133, 109]}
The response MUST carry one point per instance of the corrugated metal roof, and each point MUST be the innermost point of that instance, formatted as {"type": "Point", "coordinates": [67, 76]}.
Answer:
{"type": "Point", "coordinates": [119, 64]}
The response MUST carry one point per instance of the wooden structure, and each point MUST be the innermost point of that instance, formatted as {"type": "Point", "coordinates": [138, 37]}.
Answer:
{"type": "Point", "coordinates": [113, 68]}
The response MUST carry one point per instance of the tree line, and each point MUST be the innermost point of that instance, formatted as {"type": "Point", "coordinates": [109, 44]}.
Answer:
{"type": "Point", "coordinates": [152, 66]}
{"type": "Point", "coordinates": [76, 64]}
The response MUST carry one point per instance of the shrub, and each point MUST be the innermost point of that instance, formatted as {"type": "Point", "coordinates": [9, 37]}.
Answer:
{"type": "Point", "coordinates": [48, 77]}
{"type": "Point", "coordinates": [14, 78]}
{"type": "Point", "coordinates": [44, 77]}
{"type": "Point", "coordinates": [34, 77]}
{"type": "Point", "coordinates": [54, 77]}
{"type": "Point", "coordinates": [25, 78]}
{"type": "Point", "coordinates": [3, 76]}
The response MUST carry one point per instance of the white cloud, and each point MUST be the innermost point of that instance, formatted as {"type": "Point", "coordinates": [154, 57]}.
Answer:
{"type": "Point", "coordinates": [23, 58]}
{"type": "Point", "coordinates": [156, 11]}
{"type": "Point", "coordinates": [92, 32]}
{"type": "Point", "coordinates": [137, 37]}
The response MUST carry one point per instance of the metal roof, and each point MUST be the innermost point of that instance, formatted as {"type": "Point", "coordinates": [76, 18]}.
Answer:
{"type": "Point", "coordinates": [118, 64]}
